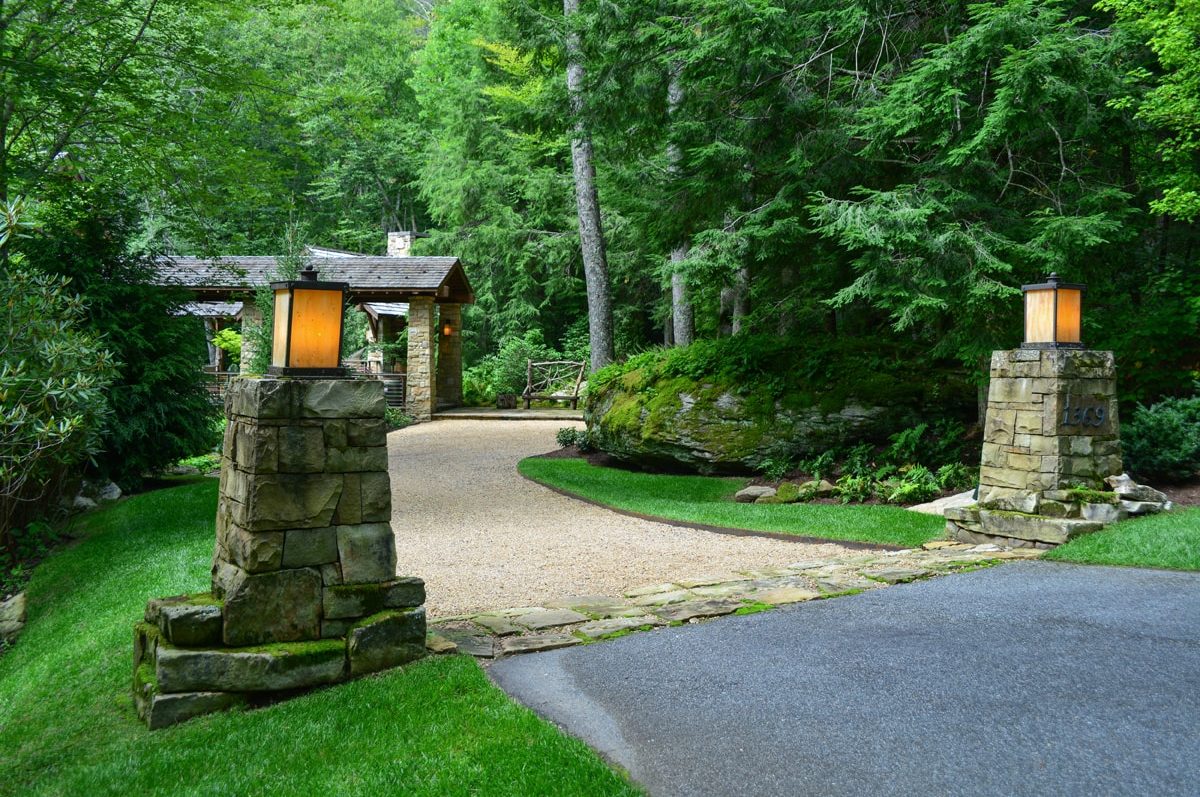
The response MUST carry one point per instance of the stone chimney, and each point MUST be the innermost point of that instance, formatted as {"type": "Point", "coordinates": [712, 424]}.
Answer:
{"type": "Point", "coordinates": [399, 244]}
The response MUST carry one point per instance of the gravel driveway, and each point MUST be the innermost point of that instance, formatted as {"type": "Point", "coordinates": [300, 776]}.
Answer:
{"type": "Point", "coordinates": [483, 537]}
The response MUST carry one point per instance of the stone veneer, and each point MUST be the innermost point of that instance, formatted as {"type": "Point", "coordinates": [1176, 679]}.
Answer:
{"type": "Point", "coordinates": [422, 335]}
{"type": "Point", "coordinates": [1051, 439]}
{"type": "Point", "coordinates": [449, 365]}
{"type": "Point", "coordinates": [304, 589]}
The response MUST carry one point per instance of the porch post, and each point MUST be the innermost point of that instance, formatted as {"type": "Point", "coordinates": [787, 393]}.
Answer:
{"type": "Point", "coordinates": [422, 384]}
{"type": "Point", "coordinates": [251, 320]}
{"type": "Point", "coordinates": [449, 373]}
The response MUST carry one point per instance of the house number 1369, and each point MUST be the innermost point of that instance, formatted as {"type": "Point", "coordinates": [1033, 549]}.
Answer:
{"type": "Point", "coordinates": [1083, 416]}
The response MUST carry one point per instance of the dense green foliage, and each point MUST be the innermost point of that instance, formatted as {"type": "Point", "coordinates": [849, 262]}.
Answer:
{"type": "Point", "coordinates": [708, 500]}
{"type": "Point", "coordinates": [54, 376]}
{"type": "Point", "coordinates": [159, 410]}
{"type": "Point", "coordinates": [1167, 540]}
{"type": "Point", "coordinates": [869, 171]}
{"type": "Point", "coordinates": [67, 724]}
{"type": "Point", "coordinates": [1163, 441]}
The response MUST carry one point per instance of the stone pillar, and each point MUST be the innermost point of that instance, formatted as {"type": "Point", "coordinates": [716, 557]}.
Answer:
{"type": "Point", "coordinates": [252, 319]}
{"type": "Point", "coordinates": [305, 559]}
{"type": "Point", "coordinates": [1050, 442]}
{"type": "Point", "coordinates": [449, 366]}
{"type": "Point", "coordinates": [422, 332]}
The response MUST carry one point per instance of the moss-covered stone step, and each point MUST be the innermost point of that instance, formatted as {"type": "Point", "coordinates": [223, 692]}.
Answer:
{"type": "Point", "coordinates": [187, 620]}
{"type": "Point", "coordinates": [362, 600]}
{"type": "Point", "coordinates": [385, 640]}
{"type": "Point", "coordinates": [1038, 528]}
{"type": "Point", "coordinates": [269, 668]}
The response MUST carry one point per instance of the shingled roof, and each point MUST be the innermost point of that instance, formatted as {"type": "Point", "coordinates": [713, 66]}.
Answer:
{"type": "Point", "coordinates": [371, 279]}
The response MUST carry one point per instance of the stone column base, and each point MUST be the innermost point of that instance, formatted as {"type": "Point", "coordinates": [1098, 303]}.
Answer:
{"type": "Point", "coordinates": [304, 586]}
{"type": "Point", "coordinates": [1061, 515]}
{"type": "Point", "coordinates": [181, 669]}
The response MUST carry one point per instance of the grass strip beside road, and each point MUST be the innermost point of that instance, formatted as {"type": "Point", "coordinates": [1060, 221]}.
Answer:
{"type": "Point", "coordinates": [67, 724]}
{"type": "Point", "coordinates": [708, 500]}
{"type": "Point", "coordinates": [1170, 540]}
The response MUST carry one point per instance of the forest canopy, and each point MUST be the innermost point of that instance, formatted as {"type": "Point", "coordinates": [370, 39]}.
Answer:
{"type": "Point", "coordinates": [814, 170]}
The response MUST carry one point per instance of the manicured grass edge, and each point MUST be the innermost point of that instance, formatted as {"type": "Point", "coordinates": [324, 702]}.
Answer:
{"type": "Point", "coordinates": [735, 532]}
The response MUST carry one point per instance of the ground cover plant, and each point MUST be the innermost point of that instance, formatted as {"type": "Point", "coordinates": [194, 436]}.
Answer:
{"type": "Point", "coordinates": [67, 724]}
{"type": "Point", "coordinates": [709, 500]}
{"type": "Point", "coordinates": [1170, 540]}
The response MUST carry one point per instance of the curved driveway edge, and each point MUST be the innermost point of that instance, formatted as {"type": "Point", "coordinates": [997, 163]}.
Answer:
{"type": "Point", "coordinates": [1028, 678]}
{"type": "Point", "coordinates": [484, 537]}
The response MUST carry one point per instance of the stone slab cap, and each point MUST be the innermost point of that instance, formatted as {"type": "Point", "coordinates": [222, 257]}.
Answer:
{"type": "Point", "coordinates": [1035, 527]}
{"type": "Point", "coordinates": [361, 600]}
{"type": "Point", "coordinates": [274, 398]}
{"type": "Point", "coordinates": [386, 640]}
{"type": "Point", "coordinates": [163, 710]}
{"type": "Point", "coordinates": [192, 624]}
{"type": "Point", "coordinates": [268, 669]}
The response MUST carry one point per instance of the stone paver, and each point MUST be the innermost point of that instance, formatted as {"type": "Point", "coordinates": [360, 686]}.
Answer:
{"type": "Point", "coordinates": [549, 618]}
{"type": "Point", "coordinates": [782, 595]}
{"type": "Point", "coordinates": [567, 621]}
{"type": "Point", "coordinates": [695, 610]}
{"type": "Point", "coordinates": [600, 628]}
{"type": "Point", "coordinates": [541, 642]}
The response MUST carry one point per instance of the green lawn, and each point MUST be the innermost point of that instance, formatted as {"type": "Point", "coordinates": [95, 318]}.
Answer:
{"type": "Point", "coordinates": [67, 724]}
{"type": "Point", "coordinates": [709, 500]}
{"type": "Point", "coordinates": [1169, 540]}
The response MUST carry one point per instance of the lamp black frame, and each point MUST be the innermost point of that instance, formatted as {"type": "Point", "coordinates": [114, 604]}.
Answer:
{"type": "Point", "coordinates": [308, 281]}
{"type": "Point", "coordinates": [1054, 282]}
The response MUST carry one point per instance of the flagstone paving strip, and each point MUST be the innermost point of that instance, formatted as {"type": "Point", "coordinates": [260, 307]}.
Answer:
{"type": "Point", "coordinates": [590, 618]}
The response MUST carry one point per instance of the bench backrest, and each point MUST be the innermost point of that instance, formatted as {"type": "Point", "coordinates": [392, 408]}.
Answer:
{"type": "Point", "coordinates": [557, 378]}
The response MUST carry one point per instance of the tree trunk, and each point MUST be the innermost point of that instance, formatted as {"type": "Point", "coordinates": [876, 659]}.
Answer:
{"type": "Point", "coordinates": [591, 233]}
{"type": "Point", "coordinates": [682, 319]}
{"type": "Point", "coordinates": [741, 298]}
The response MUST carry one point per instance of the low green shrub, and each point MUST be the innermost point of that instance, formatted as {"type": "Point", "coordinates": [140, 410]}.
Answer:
{"type": "Point", "coordinates": [957, 476]}
{"type": "Point", "coordinates": [1163, 441]}
{"type": "Point", "coordinates": [506, 371]}
{"type": "Point", "coordinates": [580, 438]}
{"type": "Point", "coordinates": [915, 485]}
{"type": "Point", "coordinates": [397, 418]}
{"type": "Point", "coordinates": [790, 493]}
{"type": "Point", "coordinates": [855, 489]}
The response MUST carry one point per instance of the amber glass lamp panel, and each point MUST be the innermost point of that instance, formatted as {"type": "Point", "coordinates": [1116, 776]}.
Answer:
{"type": "Point", "coordinates": [279, 340]}
{"type": "Point", "coordinates": [1069, 303]}
{"type": "Point", "coordinates": [1039, 316]}
{"type": "Point", "coordinates": [316, 329]}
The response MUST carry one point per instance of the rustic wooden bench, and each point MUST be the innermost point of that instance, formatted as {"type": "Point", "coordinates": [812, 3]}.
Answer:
{"type": "Point", "coordinates": [557, 380]}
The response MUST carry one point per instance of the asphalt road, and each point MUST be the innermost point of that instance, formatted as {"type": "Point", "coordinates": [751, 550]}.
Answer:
{"type": "Point", "coordinates": [1030, 678]}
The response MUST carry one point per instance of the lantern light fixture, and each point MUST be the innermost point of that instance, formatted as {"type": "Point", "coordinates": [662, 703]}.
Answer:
{"type": "Point", "coordinates": [1053, 314]}
{"type": "Point", "coordinates": [447, 330]}
{"type": "Point", "coordinates": [308, 330]}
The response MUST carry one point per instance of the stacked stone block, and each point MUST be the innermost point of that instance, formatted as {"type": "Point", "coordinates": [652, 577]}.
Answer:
{"type": "Point", "coordinates": [304, 590]}
{"type": "Point", "coordinates": [422, 342]}
{"type": "Point", "coordinates": [1051, 438]}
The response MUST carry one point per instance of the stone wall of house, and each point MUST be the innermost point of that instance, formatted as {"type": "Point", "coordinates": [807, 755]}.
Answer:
{"type": "Point", "coordinates": [422, 337]}
{"type": "Point", "coordinates": [305, 558]}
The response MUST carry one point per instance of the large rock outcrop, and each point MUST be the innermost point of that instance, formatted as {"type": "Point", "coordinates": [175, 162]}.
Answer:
{"type": "Point", "coordinates": [712, 428]}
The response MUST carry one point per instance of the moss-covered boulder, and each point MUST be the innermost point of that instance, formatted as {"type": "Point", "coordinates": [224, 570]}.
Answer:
{"type": "Point", "coordinates": [731, 405]}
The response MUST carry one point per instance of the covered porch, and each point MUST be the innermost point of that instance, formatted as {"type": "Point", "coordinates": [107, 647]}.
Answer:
{"type": "Point", "coordinates": [397, 293]}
